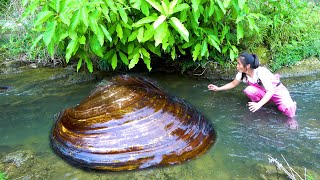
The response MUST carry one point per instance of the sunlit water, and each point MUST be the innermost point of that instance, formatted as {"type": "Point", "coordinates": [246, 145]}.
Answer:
{"type": "Point", "coordinates": [29, 109]}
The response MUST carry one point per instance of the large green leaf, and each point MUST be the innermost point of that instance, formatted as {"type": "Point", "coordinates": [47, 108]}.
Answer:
{"type": "Point", "coordinates": [147, 62]}
{"type": "Point", "coordinates": [84, 15]}
{"type": "Point", "coordinates": [148, 34]}
{"type": "Point", "coordinates": [159, 21]}
{"type": "Point", "coordinates": [106, 32]}
{"type": "Point", "coordinates": [43, 17]}
{"type": "Point", "coordinates": [79, 64]}
{"type": "Point", "coordinates": [178, 26]}
{"type": "Point", "coordinates": [144, 8]}
{"type": "Point", "coordinates": [71, 49]}
{"type": "Point", "coordinates": [123, 14]}
{"type": "Point", "coordinates": [145, 20]}
{"type": "Point", "coordinates": [36, 41]}
{"type": "Point", "coordinates": [196, 51]}
{"type": "Point", "coordinates": [140, 34]}
{"type": "Point", "coordinates": [180, 7]}
{"type": "Point", "coordinates": [119, 31]}
{"type": "Point", "coordinates": [50, 31]}
{"type": "Point", "coordinates": [64, 18]}
{"type": "Point", "coordinates": [133, 36]}
{"type": "Point", "coordinates": [241, 3]}
{"type": "Point", "coordinates": [160, 33]}
{"type": "Point", "coordinates": [204, 48]}
{"type": "Point", "coordinates": [95, 46]}
{"type": "Point", "coordinates": [240, 32]}
{"type": "Point", "coordinates": [134, 60]}
{"type": "Point", "coordinates": [114, 61]}
{"type": "Point", "coordinates": [112, 6]}
{"type": "Point", "coordinates": [123, 58]}
{"type": "Point", "coordinates": [75, 20]}
{"type": "Point", "coordinates": [89, 64]}
{"type": "Point", "coordinates": [156, 5]}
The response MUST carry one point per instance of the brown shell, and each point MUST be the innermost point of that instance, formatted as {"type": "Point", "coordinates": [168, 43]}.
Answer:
{"type": "Point", "coordinates": [131, 124]}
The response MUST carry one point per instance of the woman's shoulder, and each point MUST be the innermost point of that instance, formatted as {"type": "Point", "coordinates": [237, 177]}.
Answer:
{"type": "Point", "coordinates": [263, 71]}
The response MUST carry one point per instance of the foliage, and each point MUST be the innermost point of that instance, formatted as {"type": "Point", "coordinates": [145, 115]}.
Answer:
{"type": "Point", "coordinates": [289, 30]}
{"type": "Point", "coordinates": [122, 33]}
{"type": "Point", "coordinates": [3, 176]}
{"type": "Point", "coordinates": [15, 37]}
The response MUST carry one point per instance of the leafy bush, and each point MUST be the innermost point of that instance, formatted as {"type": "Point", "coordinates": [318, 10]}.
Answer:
{"type": "Point", "coordinates": [290, 31]}
{"type": "Point", "coordinates": [120, 32]}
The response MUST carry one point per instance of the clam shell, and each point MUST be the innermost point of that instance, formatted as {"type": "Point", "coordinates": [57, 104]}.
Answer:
{"type": "Point", "coordinates": [130, 124]}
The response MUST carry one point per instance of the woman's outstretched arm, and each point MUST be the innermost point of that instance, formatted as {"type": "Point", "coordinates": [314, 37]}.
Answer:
{"type": "Point", "coordinates": [230, 85]}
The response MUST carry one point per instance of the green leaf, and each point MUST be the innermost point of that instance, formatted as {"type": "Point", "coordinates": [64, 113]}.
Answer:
{"type": "Point", "coordinates": [95, 46]}
{"type": "Point", "coordinates": [159, 21]}
{"type": "Point", "coordinates": [195, 5]}
{"type": "Point", "coordinates": [213, 41]}
{"type": "Point", "coordinates": [241, 3]}
{"type": "Point", "coordinates": [144, 21]}
{"type": "Point", "coordinates": [148, 34]}
{"type": "Point", "coordinates": [119, 31]}
{"type": "Point", "coordinates": [123, 14]}
{"type": "Point", "coordinates": [211, 8]}
{"type": "Point", "coordinates": [82, 40]}
{"type": "Point", "coordinates": [84, 16]}
{"type": "Point", "coordinates": [35, 42]}
{"type": "Point", "coordinates": [147, 62]}
{"type": "Point", "coordinates": [133, 36]}
{"type": "Point", "coordinates": [173, 53]}
{"type": "Point", "coordinates": [51, 49]}
{"type": "Point", "coordinates": [145, 53]}
{"type": "Point", "coordinates": [43, 17]}
{"type": "Point", "coordinates": [114, 61]}
{"type": "Point", "coordinates": [64, 18]}
{"type": "Point", "coordinates": [79, 64]}
{"type": "Point", "coordinates": [134, 61]}
{"type": "Point", "coordinates": [178, 26]}
{"type": "Point", "coordinates": [156, 5]}
{"type": "Point", "coordinates": [160, 33]}
{"type": "Point", "coordinates": [25, 2]}
{"type": "Point", "coordinates": [71, 49]}
{"type": "Point", "coordinates": [123, 58]}
{"type": "Point", "coordinates": [130, 48]}
{"type": "Point", "coordinates": [93, 23]}
{"type": "Point", "coordinates": [172, 5]}
{"type": "Point", "coordinates": [196, 52]}
{"type": "Point", "coordinates": [180, 7]}
{"type": "Point", "coordinates": [100, 36]}
{"type": "Point", "coordinates": [75, 20]}
{"type": "Point", "coordinates": [112, 6]}
{"type": "Point", "coordinates": [144, 8]}
{"type": "Point", "coordinates": [204, 48]}
{"type": "Point", "coordinates": [140, 34]}
{"type": "Point", "coordinates": [49, 33]}
{"type": "Point", "coordinates": [240, 32]}
{"type": "Point", "coordinates": [221, 6]}
{"type": "Point", "coordinates": [106, 32]}
{"type": "Point", "coordinates": [89, 65]}
{"type": "Point", "coordinates": [110, 53]}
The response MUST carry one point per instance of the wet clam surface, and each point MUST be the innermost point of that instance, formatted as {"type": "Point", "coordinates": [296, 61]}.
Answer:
{"type": "Point", "coordinates": [128, 124]}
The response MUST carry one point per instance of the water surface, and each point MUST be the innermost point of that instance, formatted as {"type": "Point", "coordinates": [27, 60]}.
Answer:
{"type": "Point", "coordinates": [29, 109]}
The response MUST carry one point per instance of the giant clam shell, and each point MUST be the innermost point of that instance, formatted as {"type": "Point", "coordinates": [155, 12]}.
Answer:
{"type": "Point", "coordinates": [131, 124]}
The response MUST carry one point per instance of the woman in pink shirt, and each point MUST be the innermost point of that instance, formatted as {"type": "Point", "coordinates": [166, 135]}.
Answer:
{"type": "Point", "coordinates": [263, 86]}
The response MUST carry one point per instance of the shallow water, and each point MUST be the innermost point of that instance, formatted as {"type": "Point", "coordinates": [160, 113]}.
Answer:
{"type": "Point", "coordinates": [31, 104]}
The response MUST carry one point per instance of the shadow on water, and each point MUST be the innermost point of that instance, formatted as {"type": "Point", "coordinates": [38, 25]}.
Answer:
{"type": "Point", "coordinates": [29, 107]}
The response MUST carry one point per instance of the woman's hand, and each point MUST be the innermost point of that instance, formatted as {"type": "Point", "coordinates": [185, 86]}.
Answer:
{"type": "Point", "coordinates": [213, 87]}
{"type": "Point", "coordinates": [254, 106]}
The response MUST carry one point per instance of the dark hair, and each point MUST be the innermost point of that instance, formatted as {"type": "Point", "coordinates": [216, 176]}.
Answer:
{"type": "Point", "coordinates": [251, 59]}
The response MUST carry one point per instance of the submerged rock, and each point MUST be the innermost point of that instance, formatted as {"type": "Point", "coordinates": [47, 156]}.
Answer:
{"type": "Point", "coordinates": [131, 124]}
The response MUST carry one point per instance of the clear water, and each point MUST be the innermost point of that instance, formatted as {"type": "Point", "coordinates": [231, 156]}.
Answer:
{"type": "Point", "coordinates": [29, 108]}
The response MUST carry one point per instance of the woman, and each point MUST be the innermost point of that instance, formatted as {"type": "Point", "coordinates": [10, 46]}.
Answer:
{"type": "Point", "coordinates": [263, 85]}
